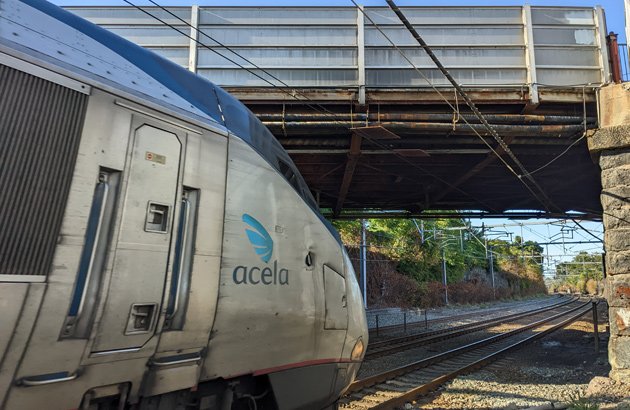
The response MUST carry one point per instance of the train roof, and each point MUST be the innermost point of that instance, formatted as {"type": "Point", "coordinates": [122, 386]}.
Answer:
{"type": "Point", "coordinates": [64, 39]}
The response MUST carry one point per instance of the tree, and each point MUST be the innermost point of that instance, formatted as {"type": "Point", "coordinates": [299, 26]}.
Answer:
{"type": "Point", "coordinates": [577, 273]}
{"type": "Point", "coordinates": [397, 246]}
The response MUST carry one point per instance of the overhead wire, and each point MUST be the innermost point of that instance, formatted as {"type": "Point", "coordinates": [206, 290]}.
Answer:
{"type": "Point", "coordinates": [557, 156]}
{"type": "Point", "coordinates": [222, 45]}
{"type": "Point", "coordinates": [428, 81]}
{"type": "Point", "coordinates": [208, 47]}
{"type": "Point", "coordinates": [291, 94]}
{"type": "Point", "coordinates": [545, 201]}
{"type": "Point", "coordinates": [587, 231]}
{"type": "Point", "coordinates": [502, 144]}
{"type": "Point", "coordinates": [505, 148]}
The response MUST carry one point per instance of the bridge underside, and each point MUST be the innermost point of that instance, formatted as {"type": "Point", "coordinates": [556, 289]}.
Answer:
{"type": "Point", "coordinates": [404, 152]}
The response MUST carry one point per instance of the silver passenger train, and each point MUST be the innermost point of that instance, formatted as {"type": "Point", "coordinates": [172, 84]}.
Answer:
{"type": "Point", "coordinates": [158, 247]}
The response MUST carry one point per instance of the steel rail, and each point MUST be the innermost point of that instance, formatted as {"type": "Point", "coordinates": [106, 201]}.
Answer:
{"type": "Point", "coordinates": [418, 335]}
{"type": "Point", "coordinates": [408, 342]}
{"type": "Point", "coordinates": [487, 359]}
{"type": "Point", "coordinates": [446, 319]}
{"type": "Point", "coordinates": [381, 377]}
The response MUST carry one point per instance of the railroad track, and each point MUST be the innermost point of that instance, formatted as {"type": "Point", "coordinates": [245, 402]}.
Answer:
{"type": "Point", "coordinates": [396, 387]}
{"type": "Point", "coordinates": [446, 319]}
{"type": "Point", "coordinates": [394, 345]}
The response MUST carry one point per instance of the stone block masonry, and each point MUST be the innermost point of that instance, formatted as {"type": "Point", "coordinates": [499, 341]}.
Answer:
{"type": "Point", "coordinates": [610, 144]}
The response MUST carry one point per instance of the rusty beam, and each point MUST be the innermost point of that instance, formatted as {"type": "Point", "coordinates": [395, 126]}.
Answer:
{"type": "Point", "coordinates": [404, 96]}
{"type": "Point", "coordinates": [383, 213]}
{"type": "Point", "coordinates": [399, 177]}
{"type": "Point", "coordinates": [379, 117]}
{"type": "Point", "coordinates": [490, 158]}
{"type": "Point", "coordinates": [351, 163]}
{"type": "Point", "coordinates": [424, 141]}
{"type": "Point", "coordinates": [553, 130]}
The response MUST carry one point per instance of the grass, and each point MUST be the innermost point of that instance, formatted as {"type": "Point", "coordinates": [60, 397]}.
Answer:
{"type": "Point", "coordinates": [576, 402]}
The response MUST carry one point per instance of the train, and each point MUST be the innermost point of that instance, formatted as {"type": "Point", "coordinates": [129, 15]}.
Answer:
{"type": "Point", "coordinates": [158, 247]}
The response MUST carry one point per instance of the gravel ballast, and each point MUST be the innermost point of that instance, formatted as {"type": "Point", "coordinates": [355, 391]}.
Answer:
{"type": "Point", "coordinates": [551, 373]}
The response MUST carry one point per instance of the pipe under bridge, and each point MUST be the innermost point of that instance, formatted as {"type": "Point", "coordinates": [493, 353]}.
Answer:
{"type": "Point", "coordinates": [375, 136]}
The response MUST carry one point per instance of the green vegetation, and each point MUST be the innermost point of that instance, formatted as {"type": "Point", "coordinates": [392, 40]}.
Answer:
{"type": "Point", "coordinates": [405, 266]}
{"type": "Point", "coordinates": [577, 402]}
{"type": "Point", "coordinates": [582, 274]}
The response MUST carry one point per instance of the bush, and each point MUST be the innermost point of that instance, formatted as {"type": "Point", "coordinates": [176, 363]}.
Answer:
{"type": "Point", "coordinates": [591, 287]}
{"type": "Point", "coordinates": [386, 287]}
{"type": "Point", "coordinates": [407, 283]}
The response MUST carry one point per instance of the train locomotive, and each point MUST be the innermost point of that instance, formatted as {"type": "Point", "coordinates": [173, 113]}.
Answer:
{"type": "Point", "coordinates": [158, 247]}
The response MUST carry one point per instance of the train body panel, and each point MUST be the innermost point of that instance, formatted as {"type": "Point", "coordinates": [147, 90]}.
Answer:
{"type": "Point", "coordinates": [183, 258]}
{"type": "Point", "coordinates": [279, 286]}
{"type": "Point", "coordinates": [105, 149]}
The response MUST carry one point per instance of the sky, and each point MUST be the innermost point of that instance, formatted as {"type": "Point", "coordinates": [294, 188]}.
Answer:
{"type": "Point", "coordinates": [536, 229]}
{"type": "Point", "coordinates": [613, 8]}
{"type": "Point", "coordinates": [543, 230]}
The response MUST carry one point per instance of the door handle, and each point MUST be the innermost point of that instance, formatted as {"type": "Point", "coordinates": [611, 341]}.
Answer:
{"type": "Point", "coordinates": [178, 359]}
{"type": "Point", "coordinates": [48, 378]}
{"type": "Point", "coordinates": [182, 249]}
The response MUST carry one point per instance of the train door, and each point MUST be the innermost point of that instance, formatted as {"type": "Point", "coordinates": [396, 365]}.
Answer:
{"type": "Point", "coordinates": [335, 299]}
{"type": "Point", "coordinates": [133, 300]}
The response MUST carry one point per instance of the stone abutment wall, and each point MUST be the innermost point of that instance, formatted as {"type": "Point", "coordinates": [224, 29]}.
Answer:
{"type": "Point", "coordinates": [610, 145]}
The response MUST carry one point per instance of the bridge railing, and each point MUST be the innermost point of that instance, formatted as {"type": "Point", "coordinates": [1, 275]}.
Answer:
{"type": "Point", "coordinates": [522, 48]}
{"type": "Point", "coordinates": [624, 61]}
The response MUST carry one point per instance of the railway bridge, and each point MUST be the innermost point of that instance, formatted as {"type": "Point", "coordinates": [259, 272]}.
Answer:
{"type": "Point", "coordinates": [376, 130]}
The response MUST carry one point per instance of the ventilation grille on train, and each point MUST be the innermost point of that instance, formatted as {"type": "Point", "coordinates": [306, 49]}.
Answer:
{"type": "Point", "coordinates": [40, 127]}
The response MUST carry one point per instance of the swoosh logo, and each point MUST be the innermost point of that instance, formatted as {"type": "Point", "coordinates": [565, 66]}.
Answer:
{"type": "Point", "coordinates": [259, 238]}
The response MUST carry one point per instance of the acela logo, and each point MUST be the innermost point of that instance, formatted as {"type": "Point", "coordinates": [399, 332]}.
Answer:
{"type": "Point", "coordinates": [259, 238]}
{"type": "Point", "coordinates": [263, 246]}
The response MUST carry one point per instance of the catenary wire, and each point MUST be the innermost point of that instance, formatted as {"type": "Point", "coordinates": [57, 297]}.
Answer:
{"type": "Point", "coordinates": [292, 94]}
{"type": "Point", "coordinates": [546, 201]}
{"type": "Point", "coordinates": [502, 144]}
{"type": "Point", "coordinates": [587, 231]}
{"type": "Point", "coordinates": [422, 169]}
{"type": "Point", "coordinates": [557, 156]}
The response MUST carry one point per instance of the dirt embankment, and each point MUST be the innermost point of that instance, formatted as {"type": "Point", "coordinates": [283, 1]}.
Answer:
{"type": "Point", "coordinates": [387, 287]}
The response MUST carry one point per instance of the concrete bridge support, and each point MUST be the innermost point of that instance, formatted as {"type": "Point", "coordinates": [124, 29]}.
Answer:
{"type": "Point", "coordinates": [610, 145]}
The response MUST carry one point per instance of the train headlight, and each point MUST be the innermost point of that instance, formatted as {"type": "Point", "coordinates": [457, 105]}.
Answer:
{"type": "Point", "coordinates": [357, 351]}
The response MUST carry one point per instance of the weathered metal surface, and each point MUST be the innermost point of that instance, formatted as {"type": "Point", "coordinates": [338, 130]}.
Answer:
{"type": "Point", "coordinates": [351, 163]}
{"type": "Point", "coordinates": [424, 117]}
{"type": "Point", "coordinates": [533, 72]}
{"type": "Point", "coordinates": [321, 46]}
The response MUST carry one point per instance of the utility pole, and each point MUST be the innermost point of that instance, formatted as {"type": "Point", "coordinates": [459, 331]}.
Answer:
{"type": "Point", "coordinates": [364, 263]}
{"type": "Point", "coordinates": [494, 292]}
{"type": "Point", "coordinates": [522, 247]}
{"type": "Point", "coordinates": [444, 277]}
{"type": "Point", "coordinates": [485, 239]}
